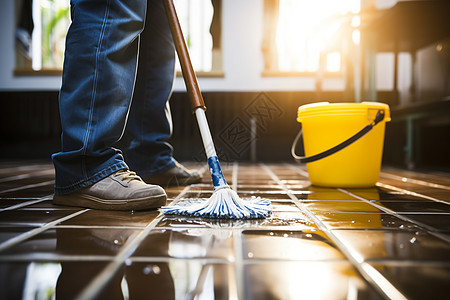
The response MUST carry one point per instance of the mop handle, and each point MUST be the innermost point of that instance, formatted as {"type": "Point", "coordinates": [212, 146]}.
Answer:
{"type": "Point", "coordinates": [213, 162]}
{"type": "Point", "coordinates": [195, 95]}
{"type": "Point", "coordinates": [190, 79]}
{"type": "Point", "coordinates": [208, 143]}
{"type": "Point", "coordinates": [183, 55]}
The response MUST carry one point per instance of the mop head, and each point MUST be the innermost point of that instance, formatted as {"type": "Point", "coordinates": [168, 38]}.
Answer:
{"type": "Point", "coordinates": [224, 203]}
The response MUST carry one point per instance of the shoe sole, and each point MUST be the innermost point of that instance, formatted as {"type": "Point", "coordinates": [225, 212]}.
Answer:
{"type": "Point", "coordinates": [88, 201]}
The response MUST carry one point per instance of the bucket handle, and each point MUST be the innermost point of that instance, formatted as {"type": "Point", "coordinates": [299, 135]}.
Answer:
{"type": "Point", "coordinates": [307, 159]}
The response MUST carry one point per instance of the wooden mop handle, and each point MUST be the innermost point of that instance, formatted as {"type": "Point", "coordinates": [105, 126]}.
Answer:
{"type": "Point", "coordinates": [183, 55]}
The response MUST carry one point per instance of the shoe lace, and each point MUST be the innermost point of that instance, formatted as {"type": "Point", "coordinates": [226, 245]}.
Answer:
{"type": "Point", "coordinates": [128, 175]}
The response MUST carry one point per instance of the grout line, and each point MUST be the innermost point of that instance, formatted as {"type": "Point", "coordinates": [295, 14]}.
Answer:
{"type": "Point", "coordinates": [20, 224]}
{"type": "Point", "coordinates": [19, 198]}
{"type": "Point", "coordinates": [367, 271]}
{"type": "Point", "coordinates": [421, 225]}
{"type": "Point", "coordinates": [171, 259]}
{"type": "Point", "coordinates": [254, 261]}
{"type": "Point", "coordinates": [226, 261]}
{"type": "Point", "coordinates": [29, 257]}
{"type": "Point", "coordinates": [300, 171]}
{"type": "Point", "coordinates": [23, 204]}
{"type": "Point", "coordinates": [25, 168]}
{"type": "Point", "coordinates": [22, 237]}
{"type": "Point", "coordinates": [25, 187]}
{"type": "Point", "coordinates": [204, 168]}
{"type": "Point", "coordinates": [98, 227]}
{"type": "Point", "coordinates": [28, 175]}
{"type": "Point", "coordinates": [55, 208]}
{"type": "Point", "coordinates": [415, 181]}
{"type": "Point", "coordinates": [293, 228]}
{"type": "Point", "coordinates": [422, 213]}
{"type": "Point", "coordinates": [397, 189]}
{"type": "Point", "coordinates": [205, 260]}
{"type": "Point", "coordinates": [238, 264]}
{"type": "Point", "coordinates": [409, 263]}
{"type": "Point", "coordinates": [180, 196]}
{"type": "Point", "coordinates": [94, 287]}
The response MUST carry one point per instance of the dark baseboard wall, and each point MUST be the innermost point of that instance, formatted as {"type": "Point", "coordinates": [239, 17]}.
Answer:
{"type": "Point", "coordinates": [246, 126]}
{"type": "Point", "coordinates": [29, 124]}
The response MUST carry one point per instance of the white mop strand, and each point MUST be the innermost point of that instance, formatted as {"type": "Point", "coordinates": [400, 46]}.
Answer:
{"type": "Point", "coordinates": [224, 203]}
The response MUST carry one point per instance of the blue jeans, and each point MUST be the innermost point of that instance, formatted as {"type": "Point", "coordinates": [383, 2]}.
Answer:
{"type": "Point", "coordinates": [118, 75]}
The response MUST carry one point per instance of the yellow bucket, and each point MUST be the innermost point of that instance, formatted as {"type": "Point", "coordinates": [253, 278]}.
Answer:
{"type": "Point", "coordinates": [326, 125]}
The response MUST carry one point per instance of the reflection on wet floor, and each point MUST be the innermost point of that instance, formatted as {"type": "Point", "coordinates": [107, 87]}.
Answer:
{"type": "Point", "coordinates": [390, 241]}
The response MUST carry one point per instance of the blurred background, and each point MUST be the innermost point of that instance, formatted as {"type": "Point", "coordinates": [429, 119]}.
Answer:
{"type": "Point", "coordinates": [257, 62]}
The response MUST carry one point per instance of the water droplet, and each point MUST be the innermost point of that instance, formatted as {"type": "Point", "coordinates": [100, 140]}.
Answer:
{"type": "Point", "coordinates": [250, 255]}
{"type": "Point", "coordinates": [151, 269]}
{"type": "Point", "coordinates": [402, 226]}
{"type": "Point", "coordinates": [353, 222]}
{"type": "Point", "coordinates": [402, 246]}
{"type": "Point", "coordinates": [286, 235]}
{"type": "Point", "coordinates": [412, 240]}
{"type": "Point", "coordinates": [156, 269]}
{"type": "Point", "coordinates": [271, 233]}
{"type": "Point", "coordinates": [368, 221]}
{"type": "Point", "coordinates": [147, 270]}
{"type": "Point", "coordinates": [404, 179]}
{"type": "Point", "coordinates": [116, 242]}
{"type": "Point", "coordinates": [309, 235]}
{"type": "Point", "coordinates": [128, 262]}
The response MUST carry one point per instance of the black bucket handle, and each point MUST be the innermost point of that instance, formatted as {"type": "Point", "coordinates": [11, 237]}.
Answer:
{"type": "Point", "coordinates": [307, 159]}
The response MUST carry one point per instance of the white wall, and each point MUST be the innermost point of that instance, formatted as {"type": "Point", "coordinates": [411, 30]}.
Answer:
{"type": "Point", "coordinates": [242, 57]}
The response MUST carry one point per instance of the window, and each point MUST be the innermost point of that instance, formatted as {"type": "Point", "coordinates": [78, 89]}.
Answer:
{"type": "Point", "coordinates": [195, 18]}
{"type": "Point", "coordinates": [40, 34]}
{"type": "Point", "coordinates": [303, 36]}
{"type": "Point", "coordinates": [51, 20]}
{"type": "Point", "coordinates": [42, 26]}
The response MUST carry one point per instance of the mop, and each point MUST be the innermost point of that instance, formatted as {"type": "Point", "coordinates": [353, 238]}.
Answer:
{"type": "Point", "coordinates": [224, 202]}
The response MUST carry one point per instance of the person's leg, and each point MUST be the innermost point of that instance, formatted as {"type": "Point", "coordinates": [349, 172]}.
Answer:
{"type": "Point", "coordinates": [97, 85]}
{"type": "Point", "coordinates": [150, 125]}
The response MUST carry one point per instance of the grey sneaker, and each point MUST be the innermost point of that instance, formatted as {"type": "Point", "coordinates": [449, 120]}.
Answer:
{"type": "Point", "coordinates": [123, 190]}
{"type": "Point", "coordinates": [176, 176]}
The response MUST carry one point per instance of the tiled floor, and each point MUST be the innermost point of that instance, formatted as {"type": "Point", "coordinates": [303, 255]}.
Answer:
{"type": "Point", "coordinates": [390, 241]}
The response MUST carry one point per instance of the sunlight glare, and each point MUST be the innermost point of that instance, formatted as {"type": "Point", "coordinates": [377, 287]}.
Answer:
{"type": "Point", "coordinates": [334, 62]}
{"type": "Point", "coordinates": [356, 36]}
{"type": "Point", "coordinates": [308, 28]}
{"type": "Point", "coordinates": [356, 21]}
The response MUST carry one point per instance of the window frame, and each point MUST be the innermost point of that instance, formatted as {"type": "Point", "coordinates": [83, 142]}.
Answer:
{"type": "Point", "coordinates": [215, 31]}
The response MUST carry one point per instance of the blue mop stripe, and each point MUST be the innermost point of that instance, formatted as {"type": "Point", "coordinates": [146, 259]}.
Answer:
{"type": "Point", "coordinates": [216, 172]}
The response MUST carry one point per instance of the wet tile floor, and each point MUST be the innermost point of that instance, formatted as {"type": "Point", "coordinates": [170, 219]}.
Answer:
{"type": "Point", "coordinates": [391, 241]}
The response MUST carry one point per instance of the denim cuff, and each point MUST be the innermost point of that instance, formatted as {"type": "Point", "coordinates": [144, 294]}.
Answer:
{"type": "Point", "coordinates": [91, 180]}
